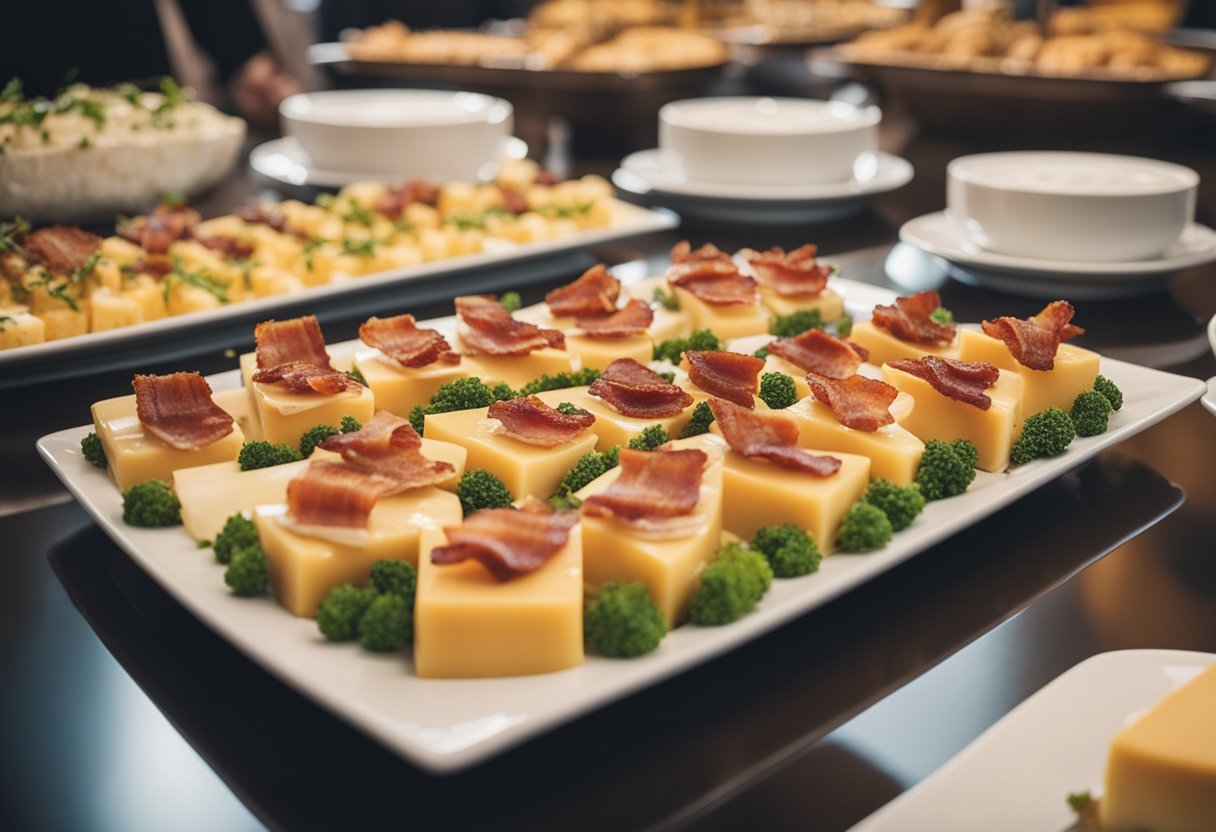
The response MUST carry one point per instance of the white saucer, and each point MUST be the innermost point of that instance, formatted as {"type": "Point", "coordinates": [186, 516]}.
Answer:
{"type": "Point", "coordinates": [940, 235]}
{"type": "Point", "coordinates": [657, 176]}
{"type": "Point", "coordinates": [282, 161]}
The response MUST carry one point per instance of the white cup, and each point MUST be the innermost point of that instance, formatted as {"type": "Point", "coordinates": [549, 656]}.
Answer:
{"type": "Point", "coordinates": [427, 133]}
{"type": "Point", "coordinates": [1054, 205]}
{"type": "Point", "coordinates": [767, 141]}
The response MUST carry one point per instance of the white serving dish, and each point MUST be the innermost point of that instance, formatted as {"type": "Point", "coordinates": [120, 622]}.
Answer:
{"type": "Point", "coordinates": [446, 725]}
{"type": "Point", "coordinates": [767, 141]}
{"type": "Point", "coordinates": [434, 134]}
{"type": "Point", "coordinates": [1054, 205]}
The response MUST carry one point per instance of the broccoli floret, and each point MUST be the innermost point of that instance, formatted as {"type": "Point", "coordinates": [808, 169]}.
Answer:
{"type": "Point", "coordinates": [247, 571]}
{"type": "Point", "coordinates": [1090, 412]}
{"type": "Point", "coordinates": [1108, 388]}
{"type": "Point", "coordinates": [944, 470]}
{"type": "Point", "coordinates": [589, 466]}
{"type": "Point", "coordinates": [395, 577]}
{"type": "Point", "coordinates": [511, 301]}
{"type": "Point", "coordinates": [865, 527]}
{"type": "Point", "coordinates": [90, 446]}
{"type": "Point", "coordinates": [418, 418]}
{"type": "Point", "coordinates": [314, 437]}
{"type": "Point", "coordinates": [651, 437]}
{"type": "Point", "coordinates": [702, 418]}
{"type": "Point", "coordinates": [843, 326]}
{"type": "Point", "coordinates": [387, 624]}
{"type": "Point", "coordinates": [560, 381]}
{"type": "Point", "coordinates": [965, 450]}
{"type": "Point", "coordinates": [790, 550]}
{"type": "Point", "coordinates": [238, 533]}
{"type": "Point", "coordinates": [761, 353]}
{"type": "Point", "coordinates": [901, 505]}
{"type": "Point", "coordinates": [1046, 433]}
{"type": "Point", "coordinates": [461, 394]}
{"type": "Point", "coordinates": [350, 424]}
{"type": "Point", "coordinates": [730, 586]}
{"type": "Point", "coordinates": [612, 457]}
{"type": "Point", "coordinates": [941, 315]}
{"type": "Point", "coordinates": [354, 373]}
{"type": "Point", "coordinates": [502, 392]}
{"type": "Point", "coordinates": [480, 489]}
{"type": "Point", "coordinates": [778, 390]}
{"type": "Point", "coordinates": [668, 376]}
{"type": "Point", "coordinates": [665, 300]}
{"type": "Point", "coordinates": [565, 502]}
{"type": "Point", "coordinates": [339, 614]}
{"type": "Point", "coordinates": [567, 408]}
{"type": "Point", "coordinates": [702, 340]}
{"type": "Point", "coordinates": [261, 454]}
{"type": "Point", "coordinates": [623, 621]}
{"type": "Point", "coordinates": [151, 504]}
{"type": "Point", "coordinates": [795, 323]}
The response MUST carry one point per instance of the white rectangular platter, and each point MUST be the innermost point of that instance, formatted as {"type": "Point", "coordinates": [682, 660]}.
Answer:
{"type": "Point", "coordinates": [446, 725]}
{"type": "Point", "coordinates": [1017, 775]}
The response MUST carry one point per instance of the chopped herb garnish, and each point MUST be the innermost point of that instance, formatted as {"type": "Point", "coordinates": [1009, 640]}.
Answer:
{"type": "Point", "coordinates": [403, 226]}
{"type": "Point", "coordinates": [665, 300]}
{"type": "Point", "coordinates": [86, 268]}
{"type": "Point", "coordinates": [325, 201]}
{"type": "Point", "coordinates": [9, 231]}
{"type": "Point", "coordinates": [311, 246]}
{"type": "Point", "coordinates": [12, 92]}
{"type": "Point", "coordinates": [84, 143]}
{"type": "Point", "coordinates": [359, 248]}
{"type": "Point", "coordinates": [199, 279]}
{"type": "Point", "coordinates": [356, 213]}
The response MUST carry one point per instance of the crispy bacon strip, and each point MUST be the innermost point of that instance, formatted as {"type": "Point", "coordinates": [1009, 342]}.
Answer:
{"type": "Point", "coordinates": [711, 276]}
{"type": "Point", "coordinates": [389, 447]}
{"type": "Point", "coordinates": [653, 488]}
{"type": "Point", "coordinates": [593, 295]}
{"type": "Point", "coordinates": [631, 320]}
{"type": "Point", "coordinates": [771, 435]}
{"type": "Point", "coordinates": [297, 339]}
{"type": "Point", "coordinates": [61, 248]}
{"type": "Point", "coordinates": [177, 409]}
{"type": "Point", "coordinates": [397, 197]}
{"type": "Point", "coordinates": [727, 375]}
{"type": "Point", "coordinates": [793, 274]}
{"type": "Point", "coordinates": [263, 214]}
{"type": "Point", "coordinates": [507, 542]}
{"type": "Point", "coordinates": [513, 201]}
{"type": "Point", "coordinates": [230, 248]}
{"type": "Point", "coordinates": [155, 232]}
{"type": "Point", "coordinates": [963, 381]}
{"type": "Point", "coordinates": [490, 329]}
{"type": "Point", "coordinates": [332, 493]}
{"type": "Point", "coordinates": [638, 391]}
{"type": "Point", "coordinates": [301, 377]}
{"type": "Point", "coordinates": [530, 420]}
{"type": "Point", "coordinates": [401, 340]}
{"type": "Point", "coordinates": [157, 265]}
{"type": "Point", "coordinates": [857, 402]}
{"type": "Point", "coordinates": [818, 352]}
{"type": "Point", "coordinates": [1034, 342]}
{"type": "Point", "coordinates": [908, 320]}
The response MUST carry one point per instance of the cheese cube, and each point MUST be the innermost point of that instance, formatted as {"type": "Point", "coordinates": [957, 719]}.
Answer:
{"type": "Point", "coordinates": [285, 416]}
{"type": "Point", "coordinates": [524, 469]}
{"type": "Point", "coordinates": [399, 389]}
{"type": "Point", "coordinates": [64, 323]}
{"type": "Point", "coordinates": [467, 624]}
{"type": "Point", "coordinates": [884, 346]}
{"type": "Point", "coordinates": [147, 293]}
{"type": "Point", "coordinates": [18, 328]}
{"type": "Point", "coordinates": [724, 321]}
{"type": "Point", "coordinates": [777, 364]}
{"type": "Point", "coordinates": [935, 416]}
{"type": "Point", "coordinates": [135, 456]}
{"type": "Point", "coordinates": [829, 304]}
{"type": "Point", "coordinates": [518, 370]}
{"type": "Point", "coordinates": [598, 353]}
{"type": "Point", "coordinates": [669, 568]}
{"type": "Point", "coordinates": [112, 310]}
{"type": "Point", "coordinates": [304, 568]}
{"type": "Point", "coordinates": [613, 428]}
{"type": "Point", "coordinates": [1161, 773]}
{"type": "Point", "coordinates": [210, 494]}
{"type": "Point", "coordinates": [1075, 371]}
{"type": "Point", "coordinates": [236, 403]}
{"type": "Point", "coordinates": [893, 451]}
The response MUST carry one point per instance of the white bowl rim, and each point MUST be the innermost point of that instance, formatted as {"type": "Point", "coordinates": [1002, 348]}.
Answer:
{"type": "Point", "coordinates": [484, 109]}
{"type": "Point", "coordinates": [1186, 179]}
{"type": "Point", "coordinates": [856, 117]}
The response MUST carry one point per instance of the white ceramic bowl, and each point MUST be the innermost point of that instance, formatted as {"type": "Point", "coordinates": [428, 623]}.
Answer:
{"type": "Point", "coordinates": [428, 133]}
{"type": "Point", "coordinates": [1092, 207]}
{"type": "Point", "coordinates": [767, 141]}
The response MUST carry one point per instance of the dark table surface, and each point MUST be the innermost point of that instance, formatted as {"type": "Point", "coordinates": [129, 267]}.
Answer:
{"type": "Point", "coordinates": [119, 710]}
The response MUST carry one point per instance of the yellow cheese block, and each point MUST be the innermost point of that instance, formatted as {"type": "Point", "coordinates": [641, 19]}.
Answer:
{"type": "Point", "coordinates": [1161, 773]}
{"type": "Point", "coordinates": [399, 389]}
{"type": "Point", "coordinates": [829, 304]}
{"type": "Point", "coordinates": [526, 470]}
{"type": "Point", "coordinates": [210, 494]}
{"type": "Point", "coordinates": [19, 328]}
{"type": "Point", "coordinates": [935, 416]}
{"type": "Point", "coordinates": [285, 416]}
{"type": "Point", "coordinates": [113, 310]}
{"type": "Point", "coordinates": [1075, 371]}
{"type": "Point", "coordinates": [725, 321]}
{"type": "Point", "coordinates": [135, 456]}
{"type": "Point", "coordinates": [777, 364]}
{"type": "Point", "coordinates": [468, 624]}
{"type": "Point", "coordinates": [518, 370]}
{"type": "Point", "coordinates": [893, 451]}
{"type": "Point", "coordinates": [884, 346]}
{"type": "Point", "coordinates": [236, 403]}
{"type": "Point", "coordinates": [668, 323]}
{"type": "Point", "coordinates": [670, 568]}
{"type": "Point", "coordinates": [598, 353]}
{"type": "Point", "coordinates": [758, 493]}
{"type": "Point", "coordinates": [613, 428]}
{"type": "Point", "coordinates": [303, 568]}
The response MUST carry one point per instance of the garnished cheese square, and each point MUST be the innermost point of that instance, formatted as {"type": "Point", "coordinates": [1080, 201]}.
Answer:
{"type": "Point", "coordinates": [285, 416]}
{"type": "Point", "coordinates": [518, 370]}
{"type": "Point", "coordinates": [893, 451]}
{"type": "Point", "coordinates": [777, 364]}
{"type": "Point", "coordinates": [829, 304]}
{"type": "Point", "coordinates": [1161, 772]}
{"type": "Point", "coordinates": [400, 389]}
{"type": "Point", "coordinates": [884, 346]}
{"type": "Point", "coordinates": [1075, 371]}
{"type": "Point", "coordinates": [668, 323]}
{"type": "Point", "coordinates": [935, 416]}
{"type": "Point", "coordinates": [725, 321]}
{"type": "Point", "coordinates": [670, 568]}
{"type": "Point", "coordinates": [135, 456]}
{"type": "Point", "coordinates": [19, 328]}
{"type": "Point", "coordinates": [467, 624]}
{"type": "Point", "coordinates": [304, 568]}
{"type": "Point", "coordinates": [524, 469]}
{"type": "Point", "coordinates": [598, 353]}
{"type": "Point", "coordinates": [611, 427]}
